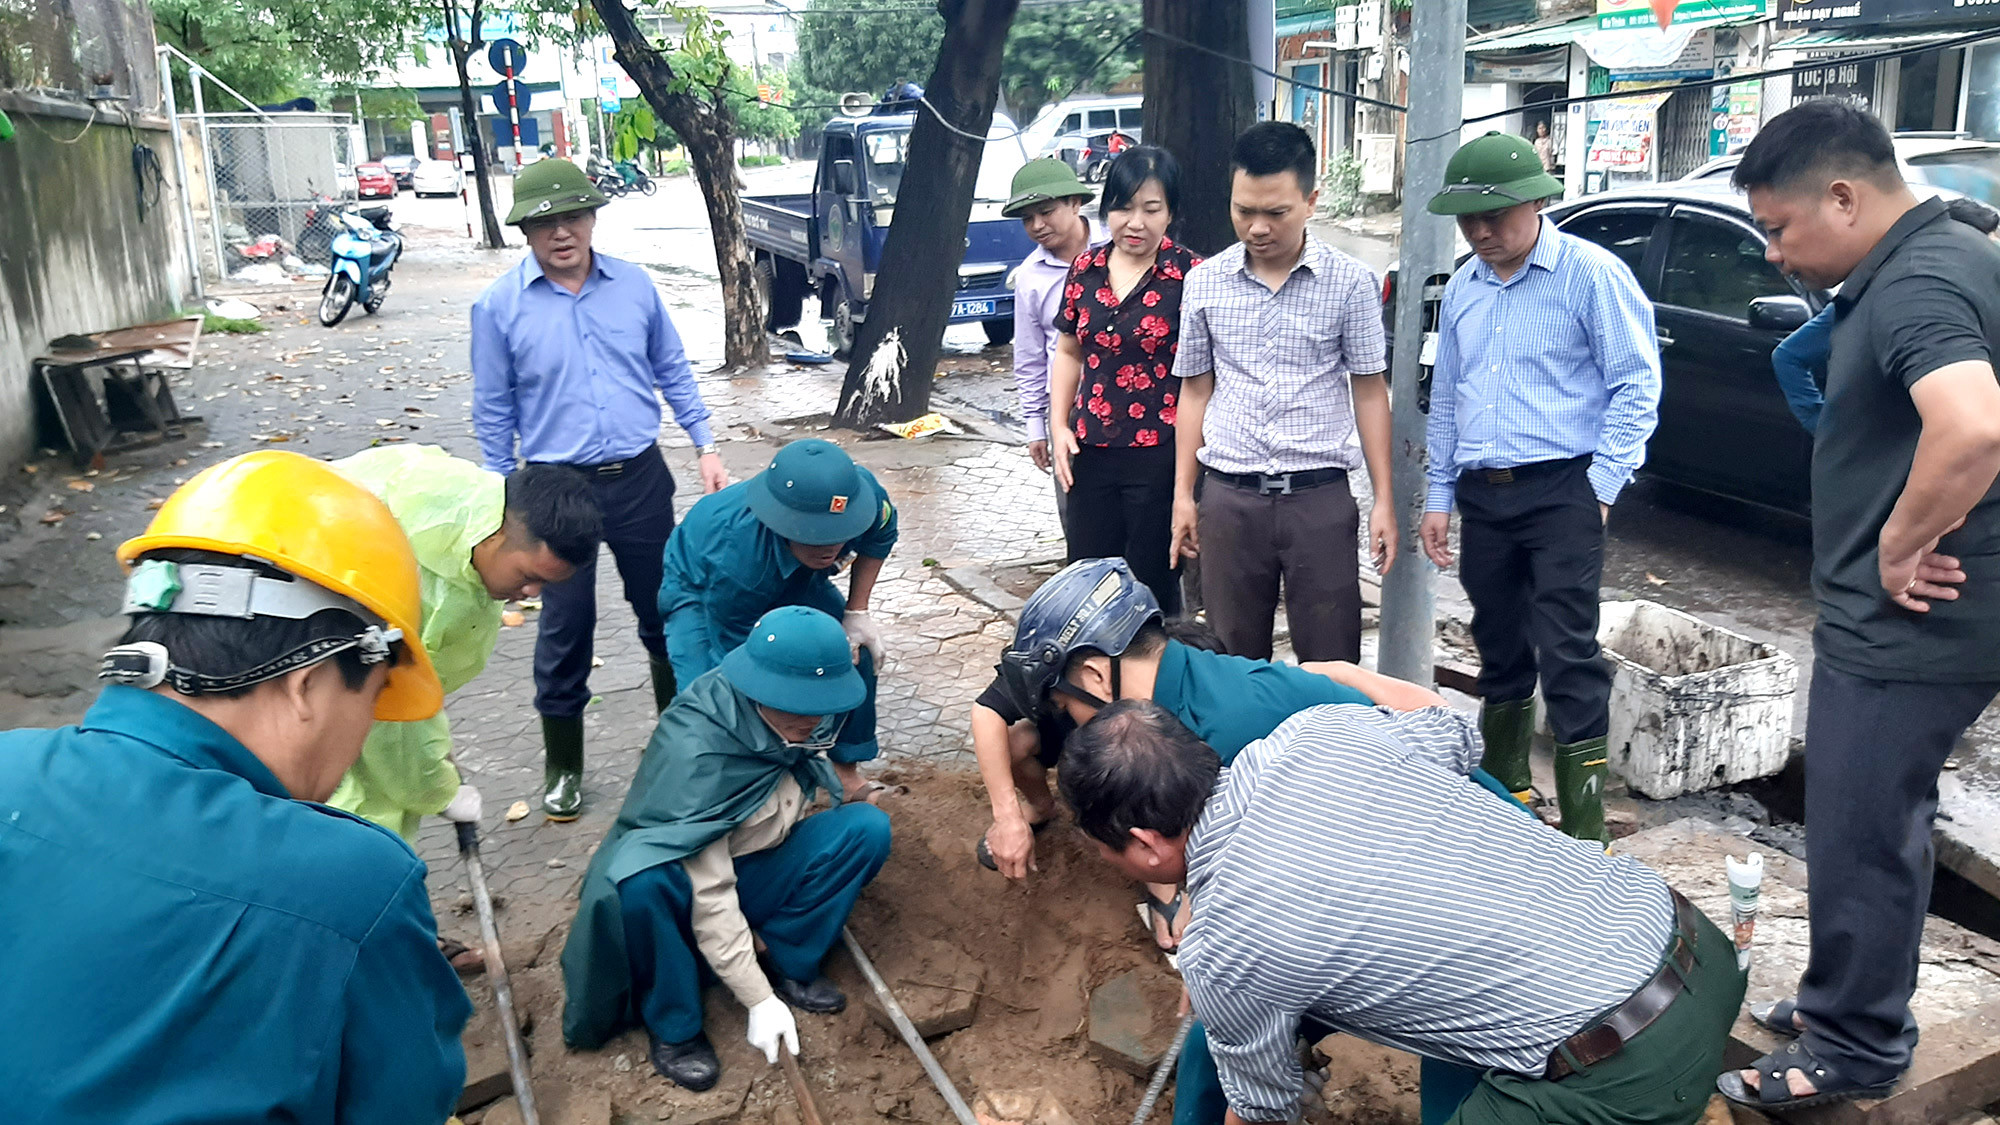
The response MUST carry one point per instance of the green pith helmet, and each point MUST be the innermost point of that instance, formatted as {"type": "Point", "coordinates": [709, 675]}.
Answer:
{"type": "Point", "coordinates": [1491, 173]}
{"type": "Point", "coordinates": [796, 660]}
{"type": "Point", "coordinates": [1039, 181]}
{"type": "Point", "coordinates": [814, 494]}
{"type": "Point", "coordinates": [552, 187]}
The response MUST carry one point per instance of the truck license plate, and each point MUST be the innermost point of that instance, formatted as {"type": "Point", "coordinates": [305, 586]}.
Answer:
{"type": "Point", "coordinates": [973, 309]}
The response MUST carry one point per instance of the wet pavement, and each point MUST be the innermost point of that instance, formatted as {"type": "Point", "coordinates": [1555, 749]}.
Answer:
{"type": "Point", "coordinates": [972, 508]}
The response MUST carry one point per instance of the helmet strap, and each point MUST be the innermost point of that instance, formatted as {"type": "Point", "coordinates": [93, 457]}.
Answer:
{"type": "Point", "coordinates": [146, 664]}
{"type": "Point", "coordinates": [1074, 692]}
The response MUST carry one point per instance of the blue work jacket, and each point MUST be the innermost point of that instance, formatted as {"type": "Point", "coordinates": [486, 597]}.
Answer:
{"type": "Point", "coordinates": [181, 942]}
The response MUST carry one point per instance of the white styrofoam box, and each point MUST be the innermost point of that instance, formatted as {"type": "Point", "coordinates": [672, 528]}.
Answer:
{"type": "Point", "coordinates": [1693, 705]}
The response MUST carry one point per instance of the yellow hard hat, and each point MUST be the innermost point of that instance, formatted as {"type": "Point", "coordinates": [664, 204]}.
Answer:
{"type": "Point", "coordinates": [303, 517]}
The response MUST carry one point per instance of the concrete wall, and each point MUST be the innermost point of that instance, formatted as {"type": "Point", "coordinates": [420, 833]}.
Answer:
{"type": "Point", "coordinates": [76, 252]}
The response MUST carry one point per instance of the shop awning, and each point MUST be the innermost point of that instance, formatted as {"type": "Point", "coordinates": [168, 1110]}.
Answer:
{"type": "Point", "coordinates": [1301, 25]}
{"type": "Point", "coordinates": [1843, 41]}
{"type": "Point", "coordinates": [1550, 35]}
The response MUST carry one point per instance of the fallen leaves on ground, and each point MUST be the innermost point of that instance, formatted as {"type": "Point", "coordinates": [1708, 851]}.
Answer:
{"type": "Point", "coordinates": [517, 811]}
{"type": "Point", "coordinates": [513, 618]}
{"type": "Point", "coordinates": [1656, 579]}
{"type": "Point", "coordinates": [54, 516]}
{"type": "Point", "coordinates": [81, 486]}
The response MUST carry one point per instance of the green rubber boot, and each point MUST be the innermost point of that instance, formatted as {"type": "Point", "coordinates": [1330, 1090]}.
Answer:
{"type": "Point", "coordinates": [663, 683]}
{"type": "Point", "coordinates": [562, 770]}
{"type": "Point", "coordinates": [1581, 770]}
{"type": "Point", "coordinates": [1509, 730]}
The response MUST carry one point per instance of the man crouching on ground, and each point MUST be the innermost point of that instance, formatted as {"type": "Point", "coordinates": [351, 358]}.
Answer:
{"type": "Point", "coordinates": [715, 841]}
{"type": "Point", "coordinates": [1350, 877]}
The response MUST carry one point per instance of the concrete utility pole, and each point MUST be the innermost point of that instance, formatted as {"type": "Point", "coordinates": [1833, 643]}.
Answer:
{"type": "Point", "coordinates": [1436, 101]}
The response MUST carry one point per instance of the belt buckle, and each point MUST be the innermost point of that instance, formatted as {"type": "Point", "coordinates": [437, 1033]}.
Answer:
{"type": "Point", "coordinates": [612, 469]}
{"type": "Point", "coordinates": [1499, 476]}
{"type": "Point", "coordinates": [1282, 487]}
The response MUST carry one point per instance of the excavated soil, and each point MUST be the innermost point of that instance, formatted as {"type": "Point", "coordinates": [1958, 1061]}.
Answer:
{"type": "Point", "coordinates": [941, 929]}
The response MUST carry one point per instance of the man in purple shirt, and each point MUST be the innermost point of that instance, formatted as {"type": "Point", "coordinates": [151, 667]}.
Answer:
{"type": "Point", "coordinates": [572, 352]}
{"type": "Point", "coordinates": [1048, 199]}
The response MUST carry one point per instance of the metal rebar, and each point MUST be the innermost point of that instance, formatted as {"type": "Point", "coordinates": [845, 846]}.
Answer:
{"type": "Point", "coordinates": [909, 1031]}
{"type": "Point", "coordinates": [1159, 1083]}
{"type": "Point", "coordinates": [496, 971]}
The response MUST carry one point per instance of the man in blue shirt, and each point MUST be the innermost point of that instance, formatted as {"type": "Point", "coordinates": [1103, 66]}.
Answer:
{"type": "Point", "coordinates": [774, 540]}
{"type": "Point", "coordinates": [572, 351]}
{"type": "Point", "coordinates": [1546, 387]}
{"type": "Point", "coordinates": [188, 934]}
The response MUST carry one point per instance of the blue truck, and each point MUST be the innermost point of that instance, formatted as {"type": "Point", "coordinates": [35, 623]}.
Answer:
{"type": "Point", "coordinates": [828, 243]}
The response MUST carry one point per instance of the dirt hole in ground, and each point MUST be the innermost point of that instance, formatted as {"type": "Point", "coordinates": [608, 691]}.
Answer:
{"type": "Point", "coordinates": [938, 925]}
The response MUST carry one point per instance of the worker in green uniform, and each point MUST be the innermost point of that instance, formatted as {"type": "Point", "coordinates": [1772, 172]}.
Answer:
{"type": "Point", "coordinates": [1092, 635]}
{"type": "Point", "coordinates": [187, 934]}
{"type": "Point", "coordinates": [774, 540]}
{"type": "Point", "coordinates": [480, 539]}
{"type": "Point", "coordinates": [717, 847]}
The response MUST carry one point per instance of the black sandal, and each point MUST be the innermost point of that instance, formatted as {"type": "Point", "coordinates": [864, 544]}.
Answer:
{"type": "Point", "coordinates": [1773, 1093]}
{"type": "Point", "coordinates": [1152, 912]}
{"type": "Point", "coordinates": [984, 854]}
{"type": "Point", "coordinates": [1778, 1017]}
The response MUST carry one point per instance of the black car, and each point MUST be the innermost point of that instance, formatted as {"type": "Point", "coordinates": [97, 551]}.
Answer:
{"type": "Point", "coordinates": [1719, 308]}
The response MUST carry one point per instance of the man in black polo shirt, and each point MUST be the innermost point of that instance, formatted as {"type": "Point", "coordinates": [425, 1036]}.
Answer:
{"type": "Point", "coordinates": [1906, 569]}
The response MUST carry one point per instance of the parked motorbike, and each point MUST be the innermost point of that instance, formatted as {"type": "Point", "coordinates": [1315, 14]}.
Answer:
{"type": "Point", "coordinates": [606, 177]}
{"type": "Point", "coordinates": [635, 178]}
{"type": "Point", "coordinates": [363, 254]}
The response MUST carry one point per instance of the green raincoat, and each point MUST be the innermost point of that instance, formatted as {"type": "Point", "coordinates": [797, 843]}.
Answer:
{"type": "Point", "coordinates": [712, 762]}
{"type": "Point", "coordinates": [446, 506]}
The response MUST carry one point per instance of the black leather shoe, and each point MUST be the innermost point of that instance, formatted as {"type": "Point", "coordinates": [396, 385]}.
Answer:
{"type": "Point", "coordinates": [691, 1065]}
{"type": "Point", "coordinates": [816, 995]}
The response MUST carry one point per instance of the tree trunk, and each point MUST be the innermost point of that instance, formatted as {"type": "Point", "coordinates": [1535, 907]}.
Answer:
{"type": "Point", "coordinates": [708, 129]}
{"type": "Point", "coordinates": [1196, 104]}
{"type": "Point", "coordinates": [468, 109]}
{"type": "Point", "coordinates": [896, 351]}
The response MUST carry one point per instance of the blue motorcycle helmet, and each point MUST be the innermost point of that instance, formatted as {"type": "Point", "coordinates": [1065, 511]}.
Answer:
{"type": "Point", "coordinates": [1092, 604]}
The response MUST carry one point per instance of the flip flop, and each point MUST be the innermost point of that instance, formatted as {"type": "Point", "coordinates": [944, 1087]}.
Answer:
{"type": "Point", "coordinates": [453, 950]}
{"type": "Point", "coordinates": [1777, 1017]}
{"type": "Point", "coordinates": [1152, 910]}
{"type": "Point", "coordinates": [984, 854]}
{"type": "Point", "coordinates": [1774, 1095]}
{"type": "Point", "coordinates": [871, 791]}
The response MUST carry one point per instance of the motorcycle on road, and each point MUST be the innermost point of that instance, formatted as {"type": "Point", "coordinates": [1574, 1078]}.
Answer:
{"type": "Point", "coordinates": [363, 253]}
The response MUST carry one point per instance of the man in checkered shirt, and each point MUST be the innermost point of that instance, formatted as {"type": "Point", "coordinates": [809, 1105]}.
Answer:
{"type": "Point", "coordinates": [1281, 363]}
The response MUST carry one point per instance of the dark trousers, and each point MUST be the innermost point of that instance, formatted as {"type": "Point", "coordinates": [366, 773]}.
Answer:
{"type": "Point", "coordinates": [1531, 551]}
{"type": "Point", "coordinates": [1309, 539]}
{"type": "Point", "coordinates": [638, 505]}
{"type": "Point", "coordinates": [1121, 504]}
{"type": "Point", "coordinates": [796, 896]}
{"type": "Point", "coordinates": [1873, 752]}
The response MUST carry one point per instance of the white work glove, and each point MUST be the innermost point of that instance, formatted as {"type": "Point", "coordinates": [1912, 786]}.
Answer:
{"type": "Point", "coordinates": [771, 1022]}
{"type": "Point", "coordinates": [862, 632]}
{"type": "Point", "coordinates": [464, 807]}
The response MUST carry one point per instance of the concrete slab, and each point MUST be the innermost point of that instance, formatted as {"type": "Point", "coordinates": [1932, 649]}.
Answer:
{"type": "Point", "coordinates": [722, 1104]}
{"type": "Point", "coordinates": [1967, 833]}
{"type": "Point", "coordinates": [486, 1073]}
{"type": "Point", "coordinates": [937, 985]}
{"type": "Point", "coordinates": [1132, 1020]}
{"type": "Point", "coordinates": [1957, 1066]}
{"type": "Point", "coordinates": [555, 1105]}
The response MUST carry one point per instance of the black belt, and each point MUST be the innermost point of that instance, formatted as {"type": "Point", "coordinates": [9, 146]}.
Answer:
{"type": "Point", "coordinates": [603, 470]}
{"type": "Point", "coordinates": [1524, 472]}
{"type": "Point", "coordinates": [1610, 1032]}
{"type": "Point", "coordinates": [1279, 484]}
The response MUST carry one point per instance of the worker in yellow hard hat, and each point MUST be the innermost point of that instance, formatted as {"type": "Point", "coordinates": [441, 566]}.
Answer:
{"type": "Point", "coordinates": [181, 910]}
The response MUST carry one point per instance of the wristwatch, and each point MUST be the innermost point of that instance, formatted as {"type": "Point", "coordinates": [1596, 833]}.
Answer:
{"type": "Point", "coordinates": [705, 450]}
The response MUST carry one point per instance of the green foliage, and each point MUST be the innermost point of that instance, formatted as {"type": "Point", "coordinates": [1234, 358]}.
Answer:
{"type": "Point", "coordinates": [1340, 194]}
{"type": "Point", "coordinates": [277, 49]}
{"type": "Point", "coordinates": [756, 120]}
{"type": "Point", "coordinates": [675, 167]}
{"type": "Point", "coordinates": [633, 127]}
{"type": "Point", "coordinates": [761, 161]}
{"type": "Point", "coordinates": [1050, 52]}
{"type": "Point", "coordinates": [394, 105]}
{"type": "Point", "coordinates": [210, 322]}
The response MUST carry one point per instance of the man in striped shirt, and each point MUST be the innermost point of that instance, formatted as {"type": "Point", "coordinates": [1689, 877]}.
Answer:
{"type": "Point", "coordinates": [1546, 387]}
{"type": "Point", "coordinates": [1349, 876]}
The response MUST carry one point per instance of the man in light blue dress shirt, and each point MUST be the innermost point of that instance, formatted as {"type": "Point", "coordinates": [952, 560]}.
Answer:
{"type": "Point", "coordinates": [572, 351]}
{"type": "Point", "coordinates": [1546, 388]}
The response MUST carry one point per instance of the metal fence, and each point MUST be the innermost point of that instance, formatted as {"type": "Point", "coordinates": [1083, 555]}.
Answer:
{"type": "Point", "coordinates": [274, 183]}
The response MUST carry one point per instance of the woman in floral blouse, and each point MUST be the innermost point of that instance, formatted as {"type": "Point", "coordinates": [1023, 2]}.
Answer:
{"type": "Point", "coordinates": [1111, 383]}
